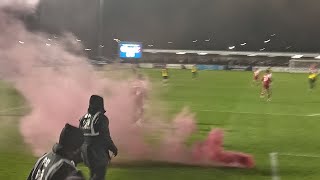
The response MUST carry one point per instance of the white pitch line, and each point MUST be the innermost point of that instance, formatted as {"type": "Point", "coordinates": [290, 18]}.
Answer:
{"type": "Point", "coordinates": [274, 165]}
{"type": "Point", "coordinates": [274, 161]}
{"type": "Point", "coordinates": [312, 115]}
{"type": "Point", "coordinates": [300, 155]}
{"type": "Point", "coordinates": [271, 114]}
{"type": "Point", "coordinates": [12, 109]}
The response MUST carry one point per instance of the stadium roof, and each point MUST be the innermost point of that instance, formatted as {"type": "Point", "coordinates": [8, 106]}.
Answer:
{"type": "Point", "coordinates": [294, 55]}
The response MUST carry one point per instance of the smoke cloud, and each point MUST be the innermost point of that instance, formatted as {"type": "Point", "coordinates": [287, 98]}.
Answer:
{"type": "Point", "coordinates": [12, 3]}
{"type": "Point", "coordinates": [19, 5]}
{"type": "Point", "coordinates": [56, 80]}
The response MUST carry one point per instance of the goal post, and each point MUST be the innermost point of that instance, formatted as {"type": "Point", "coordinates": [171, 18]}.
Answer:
{"type": "Point", "coordinates": [302, 65]}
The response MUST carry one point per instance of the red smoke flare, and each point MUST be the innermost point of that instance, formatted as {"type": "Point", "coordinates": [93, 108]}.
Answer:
{"type": "Point", "coordinates": [57, 85]}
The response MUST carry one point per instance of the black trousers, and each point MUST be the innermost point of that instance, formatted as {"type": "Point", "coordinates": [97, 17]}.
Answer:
{"type": "Point", "coordinates": [98, 173]}
{"type": "Point", "coordinates": [312, 83]}
{"type": "Point", "coordinates": [96, 159]}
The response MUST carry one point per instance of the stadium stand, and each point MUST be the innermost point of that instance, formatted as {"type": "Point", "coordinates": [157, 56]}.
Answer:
{"type": "Point", "coordinates": [214, 59]}
{"type": "Point", "coordinates": [221, 58]}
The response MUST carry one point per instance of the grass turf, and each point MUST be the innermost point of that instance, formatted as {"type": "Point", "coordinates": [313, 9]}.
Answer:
{"type": "Point", "coordinates": [220, 99]}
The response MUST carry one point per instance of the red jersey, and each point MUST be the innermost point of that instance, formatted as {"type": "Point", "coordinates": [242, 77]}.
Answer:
{"type": "Point", "coordinates": [139, 89]}
{"type": "Point", "coordinates": [256, 74]}
{"type": "Point", "coordinates": [266, 80]}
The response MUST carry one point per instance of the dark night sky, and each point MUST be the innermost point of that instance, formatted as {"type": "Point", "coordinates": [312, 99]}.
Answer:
{"type": "Point", "coordinates": [295, 22]}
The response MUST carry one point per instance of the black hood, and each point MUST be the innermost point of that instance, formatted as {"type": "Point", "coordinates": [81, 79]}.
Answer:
{"type": "Point", "coordinates": [71, 139]}
{"type": "Point", "coordinates": [96, 104]}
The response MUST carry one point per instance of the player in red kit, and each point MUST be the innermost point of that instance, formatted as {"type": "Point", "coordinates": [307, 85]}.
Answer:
{"type": "Point", "coordinates": [266, 83]}
{"type": "Point", "coordinates": [256, 74]}
{"type": "Point", "coordinates": [139, 90]}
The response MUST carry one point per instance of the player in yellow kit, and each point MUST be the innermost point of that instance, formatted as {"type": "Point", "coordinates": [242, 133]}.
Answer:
{"type": "Point", "coordinates": [165, 74]}
{"type": "Point", "coordinates": [194, 71]}
{"type": "Point", "coordinates": [313, 74]}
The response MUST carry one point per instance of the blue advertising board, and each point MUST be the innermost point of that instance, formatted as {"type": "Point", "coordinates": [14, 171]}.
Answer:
{"type": "Point", "coordinates": [210, 67]}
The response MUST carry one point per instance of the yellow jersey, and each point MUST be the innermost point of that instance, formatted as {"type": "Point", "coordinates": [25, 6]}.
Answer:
{"type": "Point", "coordinates": [312, 76]}
{"type": "Point", "coordinates": [164, 72]}
{"type": "Point", "coordinates": [313, 73]}
{"type": "Point", "coordinates": [194, 69]}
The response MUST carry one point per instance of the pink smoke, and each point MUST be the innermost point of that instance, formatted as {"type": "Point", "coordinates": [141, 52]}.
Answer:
{"type": "Point", "coordinates": [57, 85]}
{"type": "Point", "coordinates": [211, 150]}
{"type": "Point", "coordinates": [27, 4]}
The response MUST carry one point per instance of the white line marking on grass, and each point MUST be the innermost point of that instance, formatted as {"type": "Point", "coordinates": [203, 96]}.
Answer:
{"type": "Point", "coordinates": [274, 161]}
{"type": "Point", "coordinates": [271, 114]}
{"type": "Point", "coordinates": [274, 165]}
{"type": "Point", "coordinates": [12, 109]}
{"type": "Point", "coordinates": [311, 115]}
{"type": "Point", "coordinates": [300, 155]}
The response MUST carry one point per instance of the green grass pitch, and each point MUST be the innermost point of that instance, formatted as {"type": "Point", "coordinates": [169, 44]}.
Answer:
{"type": "Point", "coordinates": [220, 99]}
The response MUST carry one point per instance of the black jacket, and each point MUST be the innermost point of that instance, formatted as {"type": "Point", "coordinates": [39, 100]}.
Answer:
{"type": "Point", "coordinates": [54, 166]}
{"type": "Point", "coordinates": [97, 141]}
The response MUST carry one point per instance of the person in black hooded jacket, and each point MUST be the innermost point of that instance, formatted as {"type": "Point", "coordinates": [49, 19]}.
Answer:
{"type": "Point", "coordinates": [97, 140]}
{"type": "Point", "coordinates": [58, 164]}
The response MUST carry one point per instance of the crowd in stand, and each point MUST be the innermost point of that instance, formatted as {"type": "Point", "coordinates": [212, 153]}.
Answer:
{"type": "Point", "coordinates": [214, 59]}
